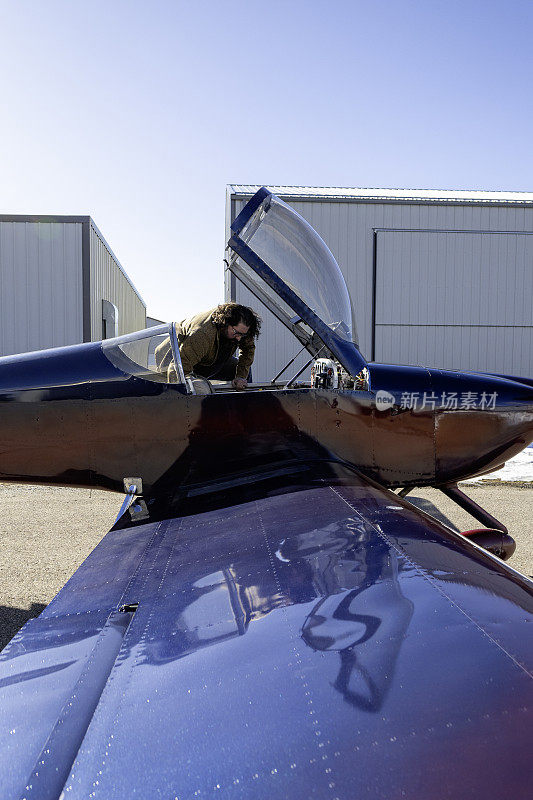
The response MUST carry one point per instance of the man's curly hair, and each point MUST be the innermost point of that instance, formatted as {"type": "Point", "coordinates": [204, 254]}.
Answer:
{"type": "Point", "coordinates": [233, 313]}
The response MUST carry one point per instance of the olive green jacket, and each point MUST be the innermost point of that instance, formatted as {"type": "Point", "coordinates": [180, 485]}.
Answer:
{"type": "Point", "coordinates": [201, 343]}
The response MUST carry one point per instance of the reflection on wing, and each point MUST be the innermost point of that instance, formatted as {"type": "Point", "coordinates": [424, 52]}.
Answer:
{"type": "Point", "coordinates": [346, 620]}
{"type": "Point", "coordinates": [275, 647]}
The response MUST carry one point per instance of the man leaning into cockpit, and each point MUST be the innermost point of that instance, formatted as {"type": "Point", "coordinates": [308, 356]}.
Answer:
{"type": "Point", "coordinates": [208, 342]}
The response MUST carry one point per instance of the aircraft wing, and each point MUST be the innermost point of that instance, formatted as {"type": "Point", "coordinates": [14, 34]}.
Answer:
{"type": "Point", "coordinates": [319, 638]}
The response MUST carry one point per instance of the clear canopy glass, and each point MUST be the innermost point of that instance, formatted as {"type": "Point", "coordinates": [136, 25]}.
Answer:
{"type": "Point", "coordinates": [297, 254]}
{"type": "Point", "coordinates": [134, 354]}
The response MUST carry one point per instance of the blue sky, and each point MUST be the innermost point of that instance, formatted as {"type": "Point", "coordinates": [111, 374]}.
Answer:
{"type": "Point", "coordinates": [140, 113]}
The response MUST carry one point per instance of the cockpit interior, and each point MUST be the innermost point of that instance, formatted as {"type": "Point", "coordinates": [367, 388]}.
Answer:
{"type": "Point", "coordinates": [281, 259]}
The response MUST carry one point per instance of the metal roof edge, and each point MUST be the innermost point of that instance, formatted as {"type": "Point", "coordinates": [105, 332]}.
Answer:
{"type": "Point", "coordinates": [474, 196]}
{"type": "Point", "coordinates": [43, 218]}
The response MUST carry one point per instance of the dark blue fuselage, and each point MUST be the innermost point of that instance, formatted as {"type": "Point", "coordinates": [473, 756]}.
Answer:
{"type": "Point", "coordinates": [70, 416]}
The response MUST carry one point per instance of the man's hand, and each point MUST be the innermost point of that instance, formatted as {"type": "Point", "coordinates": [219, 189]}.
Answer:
{"type": "Point", "coordinates": [239, 384]}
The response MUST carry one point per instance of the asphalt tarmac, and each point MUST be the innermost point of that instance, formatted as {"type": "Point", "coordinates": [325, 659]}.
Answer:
{"type": "Point", "coordinates": [46, 532]}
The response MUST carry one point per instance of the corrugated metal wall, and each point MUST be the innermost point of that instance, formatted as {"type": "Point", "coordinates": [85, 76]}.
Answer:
{"type": "Point", "coordinates": [450, 299]}
{"type": "Point", "coordinates": [109, 282]}
{"type": "Point", "coordinates": [424, 264]}
{"type": "Point", "coordinates": [40, 285]}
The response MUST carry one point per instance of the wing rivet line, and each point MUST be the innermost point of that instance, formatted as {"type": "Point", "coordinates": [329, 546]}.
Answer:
{"type": "Point", "coordinates": [297, 654]}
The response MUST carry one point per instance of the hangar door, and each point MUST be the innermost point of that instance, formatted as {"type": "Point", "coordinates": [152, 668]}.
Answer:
{"type": "Point", "coordinates": [454, 299]}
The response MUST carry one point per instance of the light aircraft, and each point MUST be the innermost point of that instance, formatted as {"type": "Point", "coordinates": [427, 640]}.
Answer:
{"type": "Point", "coordinates": [269, 616]}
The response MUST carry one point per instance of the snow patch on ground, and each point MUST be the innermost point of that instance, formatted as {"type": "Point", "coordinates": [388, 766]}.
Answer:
{"type": "Point", "coordinates": [519, 468]}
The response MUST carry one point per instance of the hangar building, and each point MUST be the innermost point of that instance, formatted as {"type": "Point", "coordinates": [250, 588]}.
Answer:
{"type": "Point", "coordinates": [60, 284]}
{"type": "Point", "coordinates": [437, 278]}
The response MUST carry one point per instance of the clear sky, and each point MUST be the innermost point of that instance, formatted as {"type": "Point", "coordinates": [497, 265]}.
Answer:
{"type": "Point", "coordinates": [140, 112]}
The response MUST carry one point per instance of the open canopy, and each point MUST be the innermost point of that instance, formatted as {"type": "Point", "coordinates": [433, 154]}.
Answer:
{"type": "Point", "coordinates": [291, 270]}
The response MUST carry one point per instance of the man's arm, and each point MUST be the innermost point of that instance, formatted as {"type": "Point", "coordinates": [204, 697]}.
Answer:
{"type": "Point", "coordinates": [193, 349]}
{"type": "Point", "coordinates": [246, 358]}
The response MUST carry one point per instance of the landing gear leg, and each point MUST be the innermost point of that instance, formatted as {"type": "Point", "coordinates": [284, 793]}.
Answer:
{"type": "Point", "coordinates": [405, 491]}
{"type": "Point", "coordinates": [494, 537]}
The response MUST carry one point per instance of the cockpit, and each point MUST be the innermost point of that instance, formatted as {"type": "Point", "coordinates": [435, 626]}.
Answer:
{"type": "Point", "coordinates": [135, 354]}
{"type": "Point", "coordinates": [281, 259]}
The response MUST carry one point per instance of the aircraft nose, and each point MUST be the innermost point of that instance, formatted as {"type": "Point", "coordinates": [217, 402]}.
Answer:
{"type": "Point", "coordinates": [482, 421]}
{"type": "Point", "coordinates": [481, 392]}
